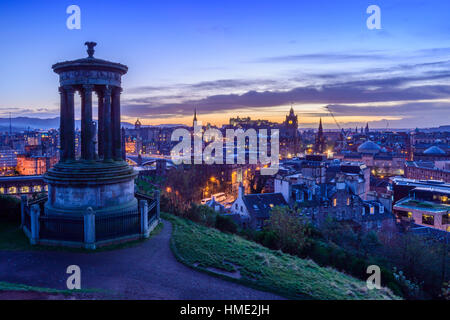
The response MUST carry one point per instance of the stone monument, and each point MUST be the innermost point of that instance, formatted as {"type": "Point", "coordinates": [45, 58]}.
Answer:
{"type": "Point", "coordinates": [91, 198]}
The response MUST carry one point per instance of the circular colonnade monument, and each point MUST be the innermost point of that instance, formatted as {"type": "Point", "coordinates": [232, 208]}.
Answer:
{"type": "Point", "coordinates": [91, 198]}
{"type": "Point", "coordinates": [101, 180]}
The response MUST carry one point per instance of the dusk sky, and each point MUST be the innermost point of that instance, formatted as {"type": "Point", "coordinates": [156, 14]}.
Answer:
{"type": "Point", "coordinates": [246, 58]}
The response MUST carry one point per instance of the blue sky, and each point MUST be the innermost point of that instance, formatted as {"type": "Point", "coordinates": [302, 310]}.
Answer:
{"type": "Point", "coordinates": [247, 58]}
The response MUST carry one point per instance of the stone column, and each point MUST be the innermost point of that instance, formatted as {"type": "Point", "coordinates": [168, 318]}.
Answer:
{"type": "Point", "coordinates": [143, 207]}
{"type": "Point", "coordinates": [23, 204]}
{"type": "Point", "coordinates": [69, 123]}
{"type": "Point", "coordinates": [89, 229]}
{"type": "Point", "coordinates": [107, 125]}
{"type": "Point", "coordinates": [115, 119]}
{"type": "Point", "coordinates": [34, 215]}
{"type": "Point", "coordinates": [87, 132]}
{"type": "Point", "coordinates": [62, 126]}
{"type": "Point", "coordinates": [100, 128]}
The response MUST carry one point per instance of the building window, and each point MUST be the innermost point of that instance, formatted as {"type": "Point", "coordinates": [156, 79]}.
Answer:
{"type": "Point", "coordinates": [348, 201]}
{"type": "Point", "coordinates": [334, 202]}
{"type": "Point", "coordinates": [446, 218]}
{"type": "Point", "coordinates": [428, 219]}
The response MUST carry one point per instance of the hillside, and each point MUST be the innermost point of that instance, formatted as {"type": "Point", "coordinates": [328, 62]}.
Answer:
{"type": "Point", "coordinates": [243, 261]}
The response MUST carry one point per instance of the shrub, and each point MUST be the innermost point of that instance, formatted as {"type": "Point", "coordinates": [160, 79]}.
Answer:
{"type": "Point", "coordinates": [226, 224]}
{"type": "Point", "coordinates": [201, 214]}
{"type": "Point", "coordinates": [10, 209]}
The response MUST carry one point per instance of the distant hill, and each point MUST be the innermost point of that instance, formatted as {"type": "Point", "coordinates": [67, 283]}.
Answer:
{"type": "Point", "coordinates": [26, 123]}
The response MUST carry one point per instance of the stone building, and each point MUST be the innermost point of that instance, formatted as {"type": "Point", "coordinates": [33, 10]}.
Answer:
{"type": "Point", "coordinates": [422, 202]}
{"type": "Point", "coordinates": [253, 210]}
{"type": "Point", "coordinates": [428, 170]}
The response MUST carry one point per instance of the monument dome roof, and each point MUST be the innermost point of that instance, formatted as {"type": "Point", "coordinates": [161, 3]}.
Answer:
{"type": "Point", "coordinates": [369, 147]}
{"type": "Point", "coordinates": [434, 150]}
{"type": "Point", "coordinates": [90, 63]}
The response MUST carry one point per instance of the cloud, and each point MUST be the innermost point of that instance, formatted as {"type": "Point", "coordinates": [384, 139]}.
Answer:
{"type": "Point", "coordinates": [397, 89]}
{"type": "Point", "coordinates": [325, 57]}
{"type": "Point", "coordinates": [402, 109]}
{"type": "Point", "coordinates": [347, 93]}
{"type": "Point", "coordinates": [222, 84]}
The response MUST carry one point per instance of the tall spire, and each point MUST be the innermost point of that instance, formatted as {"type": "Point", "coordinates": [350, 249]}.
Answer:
{"type": "Point", "coordinates": [320, 139]}
{"type": "Point", "coordinates": [194, 121]}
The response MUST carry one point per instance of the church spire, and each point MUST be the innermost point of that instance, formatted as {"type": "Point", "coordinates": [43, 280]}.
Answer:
{"type": "Point", "coordinates": [320, 139]}
{"type": "Point", "coordinates": [195, 117]}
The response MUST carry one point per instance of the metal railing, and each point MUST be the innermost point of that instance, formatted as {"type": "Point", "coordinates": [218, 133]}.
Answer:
{"type": "Point", "coordinates": [117, 225]}
{"type": "Point", "coordinates": [70, 228]}
{"type": "Point", "coordinates": [153, 203]}
{"type": "Point", "coordinates": [27, 218]}
{"type": "Point", "coordinates": [61, 228]}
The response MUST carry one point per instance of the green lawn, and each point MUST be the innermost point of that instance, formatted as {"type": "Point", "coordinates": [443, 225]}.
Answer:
{"type": "Point", "coordinates": [13, 238]}
{"type": "Point", "coordinates": [6, 286]}
{"type": "Point", "coordinates": [243, 261]}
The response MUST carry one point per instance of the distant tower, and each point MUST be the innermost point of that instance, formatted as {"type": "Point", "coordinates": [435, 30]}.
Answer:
{"type": "Point", "coordinates": [320, 139]}
{"type": "Point", "coordinates": [367, 128]}
{"type": "Point", "coordinates": [137, 124]}
{"type": "Point", "coordinates": [292, 136]}
{"type": "Point", "coordinates": [194, 121]}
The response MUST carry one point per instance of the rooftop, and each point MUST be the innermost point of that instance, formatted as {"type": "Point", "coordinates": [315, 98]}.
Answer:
{"type": "Point", "coordinates": [410, 203]}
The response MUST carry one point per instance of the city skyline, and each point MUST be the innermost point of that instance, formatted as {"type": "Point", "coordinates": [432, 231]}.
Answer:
{"type": "Point", "coordinates": [235, 63]}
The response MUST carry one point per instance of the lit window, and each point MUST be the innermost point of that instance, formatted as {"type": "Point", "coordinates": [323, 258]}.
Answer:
{"type": "Point", "coordinates": [334, 202]}
{"type": "Point", "coordinates": [348, 201]}
{"type": "Point", "coordinates": [428, 219]}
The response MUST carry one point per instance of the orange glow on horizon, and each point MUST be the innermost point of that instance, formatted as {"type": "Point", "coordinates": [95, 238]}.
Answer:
{"type": "Point", "coordinates": [305, 121]}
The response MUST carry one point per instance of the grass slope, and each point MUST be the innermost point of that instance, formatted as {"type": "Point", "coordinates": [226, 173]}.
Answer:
{"type": "Point", "coordinates": [246, 262]}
